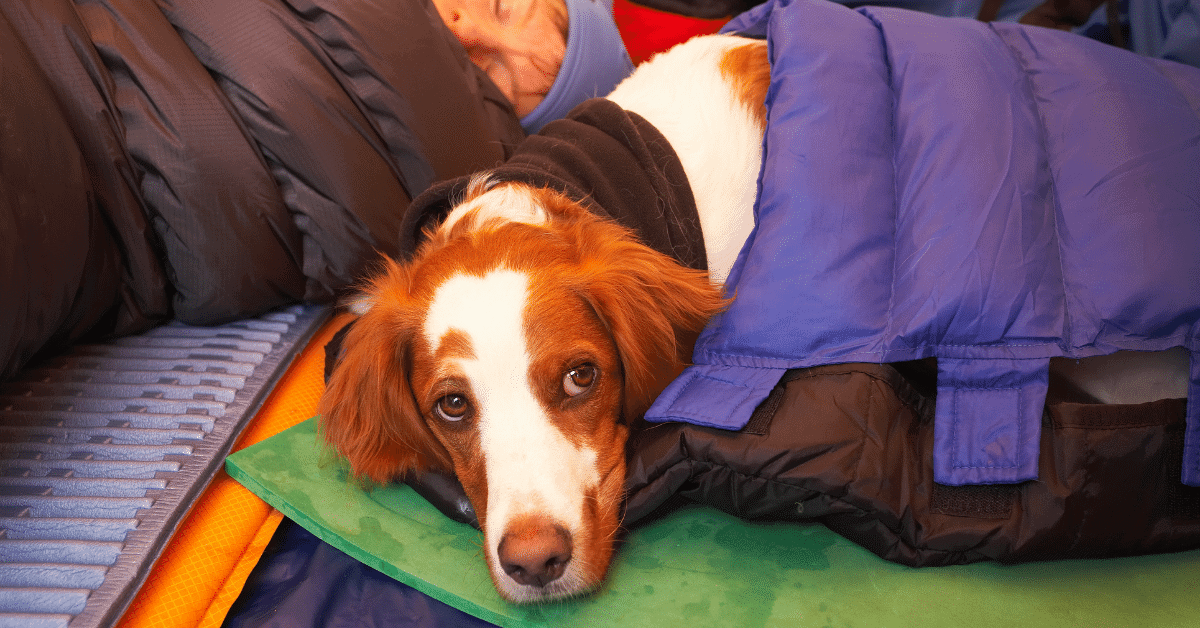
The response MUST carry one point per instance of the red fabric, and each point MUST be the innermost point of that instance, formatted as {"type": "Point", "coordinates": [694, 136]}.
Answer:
{"type": "Point", "coordinates": [647, 31]}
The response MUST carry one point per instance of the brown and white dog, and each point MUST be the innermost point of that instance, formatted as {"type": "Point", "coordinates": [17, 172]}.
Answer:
{"type": "Point", "coordinates": [527, 335]}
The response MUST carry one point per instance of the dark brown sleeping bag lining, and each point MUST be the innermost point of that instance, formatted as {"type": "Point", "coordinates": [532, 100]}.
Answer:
{"type": "Point", "coordinates": [850, 446]}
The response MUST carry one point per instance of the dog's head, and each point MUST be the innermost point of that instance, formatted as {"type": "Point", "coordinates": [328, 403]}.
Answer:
{"type": "Point", "coordinates": [516, 354]}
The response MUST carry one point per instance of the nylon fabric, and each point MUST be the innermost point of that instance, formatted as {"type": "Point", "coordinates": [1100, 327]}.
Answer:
{"type": "Point", "coordinates": [945, 188]}
{"type": "Point", "coordinates": [848, 445]}
{"type": "Point", "coordinates": [208, 161]}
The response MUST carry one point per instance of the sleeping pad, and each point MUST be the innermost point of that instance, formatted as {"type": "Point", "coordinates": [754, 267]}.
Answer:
{"type": "Point", "coordinates": [989, 195]}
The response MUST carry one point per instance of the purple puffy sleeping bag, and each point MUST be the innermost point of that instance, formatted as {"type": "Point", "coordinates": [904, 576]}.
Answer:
{"type": "Point", "coordinates": [992, 195]}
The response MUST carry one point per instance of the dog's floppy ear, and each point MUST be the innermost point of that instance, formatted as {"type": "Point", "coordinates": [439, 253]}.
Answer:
{"type": "Point", "coordinates": [653, 306]}
{"type": "Point", "coordinates": [368, 412]}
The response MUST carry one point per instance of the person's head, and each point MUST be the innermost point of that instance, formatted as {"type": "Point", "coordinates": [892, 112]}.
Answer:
{"type": "Point", "coordinates": [519, 43]}
{"type": "Point", "coordinates": [546, 56]}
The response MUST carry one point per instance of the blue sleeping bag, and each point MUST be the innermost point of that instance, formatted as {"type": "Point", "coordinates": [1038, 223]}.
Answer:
{"type": "Point", "coordinates": [992, 195]}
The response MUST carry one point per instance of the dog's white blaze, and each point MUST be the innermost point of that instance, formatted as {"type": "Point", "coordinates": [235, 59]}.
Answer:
{"type": "Point", "coordinates": [507, 203]}
{"type": "Point", "coordinates": [723, 161]}
{"type": "Point", "coordinates": [531, 466]}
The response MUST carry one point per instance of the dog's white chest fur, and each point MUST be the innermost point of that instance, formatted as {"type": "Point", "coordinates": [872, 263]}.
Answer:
{"type": "Point", "coordinates": [719, 142]}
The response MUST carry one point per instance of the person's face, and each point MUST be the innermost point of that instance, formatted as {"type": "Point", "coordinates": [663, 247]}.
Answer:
{"type": "Point", "coordinates": [517, 43]}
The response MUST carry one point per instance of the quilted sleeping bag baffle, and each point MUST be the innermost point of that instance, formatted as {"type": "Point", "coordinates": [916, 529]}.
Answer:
{"type": "Point", "coordinates": [992, 195]}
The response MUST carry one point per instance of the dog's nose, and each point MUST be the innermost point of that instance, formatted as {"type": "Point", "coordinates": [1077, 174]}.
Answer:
{"type": "Point", "coordinates": [535, 553]}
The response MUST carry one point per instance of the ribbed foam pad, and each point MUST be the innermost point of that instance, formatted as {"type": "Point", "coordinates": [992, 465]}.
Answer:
{"type": "Point", "coordinates": [104, 449]}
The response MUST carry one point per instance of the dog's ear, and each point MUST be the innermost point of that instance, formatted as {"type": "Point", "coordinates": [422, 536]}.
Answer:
{"type": "Point", "coordinates": [368, 412]}
{"type": "Point", "coordinates": [653, 306]}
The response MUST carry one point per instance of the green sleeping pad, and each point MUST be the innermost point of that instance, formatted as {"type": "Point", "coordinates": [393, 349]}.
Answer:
{"type": "Point", "coordinates": [700, 567]}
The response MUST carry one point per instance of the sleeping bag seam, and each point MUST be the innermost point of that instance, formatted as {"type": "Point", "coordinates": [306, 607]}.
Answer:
{"type": "Point", "coordinates": [892, 125]}
{"type": "Point", "coordinates": [1055, 199]}
{"type": "Point", "coordinates": [900, 354]}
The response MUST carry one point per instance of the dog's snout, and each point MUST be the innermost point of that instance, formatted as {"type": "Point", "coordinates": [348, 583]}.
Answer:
{"type": "Point", "coordinates": [535, 553]}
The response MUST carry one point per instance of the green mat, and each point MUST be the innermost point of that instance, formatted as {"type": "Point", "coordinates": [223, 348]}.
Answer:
{"type": "Point", "coordinates": [700, 567]}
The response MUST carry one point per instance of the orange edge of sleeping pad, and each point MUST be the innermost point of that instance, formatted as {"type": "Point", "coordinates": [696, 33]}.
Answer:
{"type": "Point", "coordinates": [202, 570]}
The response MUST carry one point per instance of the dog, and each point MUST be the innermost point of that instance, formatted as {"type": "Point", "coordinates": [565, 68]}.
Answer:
{"type": "Point", "coordinates": [527, 336]}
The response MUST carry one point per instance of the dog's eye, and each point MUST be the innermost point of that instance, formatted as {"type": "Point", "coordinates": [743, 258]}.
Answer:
{"type": "Point", "coordinates": [579, 379]}
{"type": "Point", "coordinates": [451, 407]}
